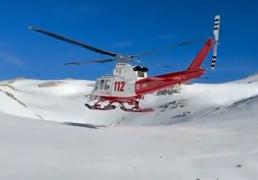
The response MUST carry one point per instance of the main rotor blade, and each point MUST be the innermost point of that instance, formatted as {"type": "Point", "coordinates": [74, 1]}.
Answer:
{"type": "Point", "coordinates": [71, 41]}
{"type": "Point", "coordinates": [89, 62]}
{"type": "Point", "coordinates": [185, 43]}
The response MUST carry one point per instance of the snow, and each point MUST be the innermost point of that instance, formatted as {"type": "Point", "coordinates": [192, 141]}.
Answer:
{"type": "Point", "coordinates": [207, 131]}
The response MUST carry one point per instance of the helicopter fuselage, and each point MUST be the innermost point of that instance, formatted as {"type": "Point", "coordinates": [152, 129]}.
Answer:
{"type": "Point", "coordinates": [129, 83]}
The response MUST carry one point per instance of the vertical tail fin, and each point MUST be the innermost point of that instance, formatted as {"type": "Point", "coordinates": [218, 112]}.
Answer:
{"type": "Point", "coordinates": [201, 56]}
{"type": "Point", "coordinates": [211, 43]}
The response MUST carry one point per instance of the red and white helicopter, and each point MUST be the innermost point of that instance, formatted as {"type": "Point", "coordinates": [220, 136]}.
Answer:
{"type": "Point", "coordinates": [129, 84]}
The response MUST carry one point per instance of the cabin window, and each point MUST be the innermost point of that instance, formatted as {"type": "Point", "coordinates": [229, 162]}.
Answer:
{"type": "Point", "coordinates": [101, 84]}
{"type": "Point", "coordinates": [107, 84]}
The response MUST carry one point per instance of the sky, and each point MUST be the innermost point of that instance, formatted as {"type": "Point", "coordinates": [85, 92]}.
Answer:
{"type": "Point", "coordinates": [126, 27]}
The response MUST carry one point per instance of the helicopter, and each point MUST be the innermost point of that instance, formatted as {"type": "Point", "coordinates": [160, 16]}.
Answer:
{"type": "Point", "coordinates": [128, 84]}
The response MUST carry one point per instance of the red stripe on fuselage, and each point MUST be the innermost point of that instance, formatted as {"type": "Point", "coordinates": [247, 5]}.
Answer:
{"type": "Point", "coordinates": [153, 84]}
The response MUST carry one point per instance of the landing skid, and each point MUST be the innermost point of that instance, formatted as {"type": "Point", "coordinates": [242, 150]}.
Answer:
{"type": "Point", "coordinates": [136, 109]}
{"type": "Point", "coordinates": [134, 106]}
{"type": "Point", "coordinates": [97, 107]}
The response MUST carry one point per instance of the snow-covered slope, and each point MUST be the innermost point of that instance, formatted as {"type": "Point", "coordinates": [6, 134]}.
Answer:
{"type": "Point", "coordinates": [212, 133]}
{"type": "Point", "coordinates": [50, 100]}
{"type": "Point", "coordinates": [64, 101]}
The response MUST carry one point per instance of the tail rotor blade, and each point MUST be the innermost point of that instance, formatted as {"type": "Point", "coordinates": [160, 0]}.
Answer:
{"type": "Point", "coordinates": [216, 29]}
{"type": "Point", "coordinates": [214, 57]}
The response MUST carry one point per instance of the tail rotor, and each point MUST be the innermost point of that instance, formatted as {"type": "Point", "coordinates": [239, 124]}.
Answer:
{"type": "Point", "coordinates": [216, 32]}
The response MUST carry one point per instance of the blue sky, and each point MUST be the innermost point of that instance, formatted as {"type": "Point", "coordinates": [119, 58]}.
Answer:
{"type": "Point", "coordinates": [128, 27]}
